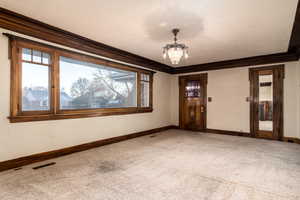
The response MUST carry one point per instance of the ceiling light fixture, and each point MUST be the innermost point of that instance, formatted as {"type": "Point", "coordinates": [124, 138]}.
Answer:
{"type": "Point", "coordinates": [175, 51]}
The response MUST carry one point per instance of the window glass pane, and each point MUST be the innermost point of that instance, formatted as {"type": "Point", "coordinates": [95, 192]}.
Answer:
{"type": "Point", "coordinates": [145, 94]}
{"type": "Point", "coordinates": [37, 56]}
{"type": "Point", "coordinates": [35, 87]}
{"type": "Point", "coordinates": [85, 85]}
{"type": "Point", "coordinates": [145, 77]}
{"type": "Point", "coordinates": [26, 54]}
{"type": "Point", "coordinates": [46, 58]}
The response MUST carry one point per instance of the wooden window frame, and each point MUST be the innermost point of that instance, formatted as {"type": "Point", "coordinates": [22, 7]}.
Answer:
{"type": "Point", "coordinates": [150, 81]}
{"type": "Point", "coordinates": [55, 113]}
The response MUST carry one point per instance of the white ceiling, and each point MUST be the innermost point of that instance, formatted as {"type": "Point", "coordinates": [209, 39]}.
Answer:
{"type": "Point", "coordinates": [214, 30]}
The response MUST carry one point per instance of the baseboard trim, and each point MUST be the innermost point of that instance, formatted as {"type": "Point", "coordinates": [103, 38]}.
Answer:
{"type": "Point", "coordinates": [244, 134]}
{"type": "Point", "coordinates": [19, 162]}
{"type": "Point", "coordinates": [225, 132]}
{"type": "Point", "coordinates": [291, 140]}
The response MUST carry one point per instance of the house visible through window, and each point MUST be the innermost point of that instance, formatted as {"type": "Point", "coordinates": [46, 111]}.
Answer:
{"type": "Point", "coordinates": [52, 83]}
{"type": "Point", "coordinates": [86, 85]}
{"type": "Point", "coordinates": [35, 80]}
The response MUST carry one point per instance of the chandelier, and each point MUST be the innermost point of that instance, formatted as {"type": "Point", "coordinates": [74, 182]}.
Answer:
{"type": "Point", "coordinates": [175, 51]}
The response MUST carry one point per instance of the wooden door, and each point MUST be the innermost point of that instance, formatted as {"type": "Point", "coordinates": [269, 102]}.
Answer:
{"type": "Point", "coordinates": [192, 101]}
{"type": "Point", "coordinates": [266, 107]}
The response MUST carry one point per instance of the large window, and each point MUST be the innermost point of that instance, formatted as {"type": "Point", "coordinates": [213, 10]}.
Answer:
{"type": "Point", "coordinates": [51, 83]}
{"type": "Point", "coordinates": [85, 85]}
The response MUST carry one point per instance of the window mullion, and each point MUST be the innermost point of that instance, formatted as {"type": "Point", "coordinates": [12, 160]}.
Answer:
{"type": "Point", "coordinates": [139, 96]}
{"type": "Point", "coordinates": [55, 83]}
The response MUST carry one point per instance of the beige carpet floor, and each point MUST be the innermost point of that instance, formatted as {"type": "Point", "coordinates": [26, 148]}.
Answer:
{"type": "Point", "coordinates": [173, 165]}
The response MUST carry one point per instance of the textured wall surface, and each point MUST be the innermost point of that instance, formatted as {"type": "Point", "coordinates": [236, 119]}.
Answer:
{"type": "Point", "coordinates": [229, 109]}
{"type": "Point", "coordinates": [22, 139]}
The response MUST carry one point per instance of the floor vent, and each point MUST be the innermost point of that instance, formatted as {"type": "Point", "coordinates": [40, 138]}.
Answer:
{"type": "Point", "coordinates": [153, 136]}
{"type": "Point", "coordinates": [16, 169]}
{"type": "Point", "coordinates": [45, 165]}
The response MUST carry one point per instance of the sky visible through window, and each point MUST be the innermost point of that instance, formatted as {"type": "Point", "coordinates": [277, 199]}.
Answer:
{"type": "Point", "coordinates": [82, 85]}
{"type": "Point", "coordinates": [71, 72]}
{"type": "Point", "coordinates": [34, 75]}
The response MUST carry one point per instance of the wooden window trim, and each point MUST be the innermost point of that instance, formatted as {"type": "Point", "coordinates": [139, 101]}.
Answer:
{"type": "Point", "coordinates": [150, 89]}
{"type": "Point", "coordinates": [55, 113]}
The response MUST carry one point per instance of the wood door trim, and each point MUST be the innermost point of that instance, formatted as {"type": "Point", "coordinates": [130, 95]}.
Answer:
{"type": "Point", "coordinates": [202, 77]}
{"type": "Point", "coordinates": [278, 76]}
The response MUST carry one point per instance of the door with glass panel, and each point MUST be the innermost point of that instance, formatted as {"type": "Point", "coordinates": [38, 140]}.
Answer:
{"type": "Point", "coordinates": [266, 108]}
{"type": "Point", "coordinates": [192, 93]}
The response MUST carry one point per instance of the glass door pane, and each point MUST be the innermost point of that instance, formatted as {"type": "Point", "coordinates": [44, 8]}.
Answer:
{"type": "Point", "coordinates": [192, 89]}
{"type": "Point", "coordinates": [265, 102]}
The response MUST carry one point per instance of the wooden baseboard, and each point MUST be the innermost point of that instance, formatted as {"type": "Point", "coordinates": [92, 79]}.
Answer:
{"type": "Point", "coordinates": [225, 132]}
{"type": "Point", "coordinates": [175, 127]}
{"type": "Point", "coordinates": [291, 140]}
{"type": "Point", "coordinates": [244, 134]}
{"type": "Point", "coordinates": [19, 162]}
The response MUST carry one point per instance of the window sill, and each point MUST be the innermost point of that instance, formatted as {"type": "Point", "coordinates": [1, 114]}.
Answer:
{"type": "Point", "coordinates": [29, 118]}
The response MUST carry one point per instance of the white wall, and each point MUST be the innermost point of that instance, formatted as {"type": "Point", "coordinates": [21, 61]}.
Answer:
{"type": "Point", "coordinates": [22, 139]}
{"type": "Point", "coordinates": [229, 109]}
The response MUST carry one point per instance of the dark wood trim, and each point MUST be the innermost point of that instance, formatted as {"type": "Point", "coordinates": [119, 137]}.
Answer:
{"type": "Point", "coordinates": [46, 47]}
{"type": "Point", "coordinates": [203, 78]}
{"type": "Point", "coordinates": [225, 132]}
{"type": "Point", "coordinates": [294, 45]}
{"type": "Point", "coordinates": [291, 140]}
{"type": "Point", "coordinates": [243, 62]}
{"type": "Point", "coordinates": [245, 134]}
{"type": "Point", "coordinates": [25, 25]}
{"type": "Point", "coordinates": [19, 162]}
{"type": "Point", "coordinates": [278, 77]}
{"type": "Point", "coordinates": [266, 68]}
{"type": "Point", "coordinates": [31, 27]}
{"type": "Point", "coordinates": [17, 115]}
{"type": "Point", "coordinates": [69, 115]}
{"type": "Point", "coordinates": [293, 54]}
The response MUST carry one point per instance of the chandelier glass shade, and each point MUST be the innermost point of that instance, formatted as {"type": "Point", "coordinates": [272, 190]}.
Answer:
{"type": "Point", "coordinates": [175, 51]}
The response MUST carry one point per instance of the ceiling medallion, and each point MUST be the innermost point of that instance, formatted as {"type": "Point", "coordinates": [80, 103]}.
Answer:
{"type": "Point", "coordinates": [175, 51]}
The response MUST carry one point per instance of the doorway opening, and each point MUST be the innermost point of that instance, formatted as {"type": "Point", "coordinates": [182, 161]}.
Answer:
{"type": "Point", "coordinates": [266, 106]}
{"type": "Point", "coordinates": [192, 102]}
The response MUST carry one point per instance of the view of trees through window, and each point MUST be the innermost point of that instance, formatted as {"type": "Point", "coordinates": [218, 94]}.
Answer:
{"type": "Point", "coordinates": [55, 84]}
{"type": "Point", "coordinates": [145, 90]}
{"type": "Point", "coordinates": [86, 85]}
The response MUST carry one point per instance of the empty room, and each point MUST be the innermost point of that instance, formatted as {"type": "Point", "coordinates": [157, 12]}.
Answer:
{"type": "Point", "coordinates": [150, 100]}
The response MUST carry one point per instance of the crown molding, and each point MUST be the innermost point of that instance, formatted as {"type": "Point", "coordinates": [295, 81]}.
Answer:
{"type": "Point", "coordinates": [25, 25]}
{"type": "Point", "coordinates": [292, 54]}
{"type": "Point", "coordinates": [31, 27]}
{"type": "Point", "coordinates": [294, 45]}
{"type": "Point", "coordinates": [243, 62]}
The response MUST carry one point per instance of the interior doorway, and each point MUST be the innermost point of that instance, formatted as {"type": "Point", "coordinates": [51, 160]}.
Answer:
{"type": "Point", "coordinates": [192, 102]}
{"type": "Point", "coordinates": [266, 106]}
